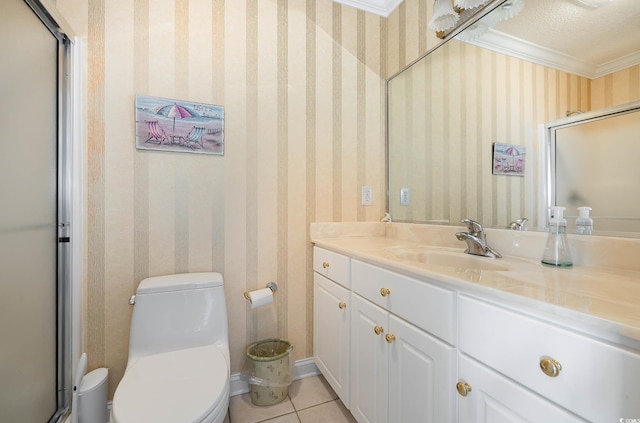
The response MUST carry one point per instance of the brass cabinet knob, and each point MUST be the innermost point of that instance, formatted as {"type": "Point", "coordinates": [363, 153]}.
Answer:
{"type": "Point", "coordinates": [463, 388]}
{"type": "Point", "coordinates": [325, 265]}
{"type": "Point", "coordinates": [342, 305]}
{"type": "Point", "coordinates": [550, 367]}
{"type": "Point", "coordinates": [385, 291]}
{"type": "Point", "coordinates": [390, 337]}
{"type": "Point", "coordinates": [378, 329]}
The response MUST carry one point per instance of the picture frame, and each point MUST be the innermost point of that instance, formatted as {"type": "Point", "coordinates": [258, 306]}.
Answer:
{"type": "Point", "coordinates": [164, 124]}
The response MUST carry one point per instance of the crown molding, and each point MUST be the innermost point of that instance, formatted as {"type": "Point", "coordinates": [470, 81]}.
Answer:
{"type": "Point", "coordinates": [516, 47]}
{"type": "Point", "coordinates": [379, 7]}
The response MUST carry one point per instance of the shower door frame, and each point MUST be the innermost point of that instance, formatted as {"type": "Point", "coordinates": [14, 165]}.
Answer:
{"type": "Point", "coordinates": [67, 166]}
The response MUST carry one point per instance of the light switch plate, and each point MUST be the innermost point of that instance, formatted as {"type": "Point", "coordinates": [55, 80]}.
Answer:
{"type": "Point", "coordinates": [367, 196]}
{"type": "Point", "coordinates": [405, 196]}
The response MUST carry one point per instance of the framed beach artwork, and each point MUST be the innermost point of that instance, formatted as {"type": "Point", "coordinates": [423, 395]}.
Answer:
{"type": "Point", "coordinates": [509, 159]}
{"type": "Point", "coordinates": [181, 126]}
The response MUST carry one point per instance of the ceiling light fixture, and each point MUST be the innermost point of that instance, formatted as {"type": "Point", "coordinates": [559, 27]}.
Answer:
{"type": "Point", "coordinates": [469, 4]}
{"type": "Point", "coordinates": [505, 11]}
{"type": "Point", "coordinates": [444, 16]}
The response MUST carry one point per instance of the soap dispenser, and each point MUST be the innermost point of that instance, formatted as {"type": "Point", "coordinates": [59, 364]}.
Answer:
{"type": "Point", "coordinates": [584, 224]}
{"type": "Point", "coordinates": [556, 252]}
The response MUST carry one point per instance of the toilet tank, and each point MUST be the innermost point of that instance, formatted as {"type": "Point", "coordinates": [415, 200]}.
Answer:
{"type": "Point", "coordinates": [178, 311]}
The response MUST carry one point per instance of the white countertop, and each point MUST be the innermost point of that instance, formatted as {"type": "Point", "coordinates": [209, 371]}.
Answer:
{"type": "Point", "coordinates": [599, 301]}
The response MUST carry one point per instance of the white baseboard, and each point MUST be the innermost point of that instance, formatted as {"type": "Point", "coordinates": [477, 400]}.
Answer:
{"type": "Point", "coordinates": [301, 369]}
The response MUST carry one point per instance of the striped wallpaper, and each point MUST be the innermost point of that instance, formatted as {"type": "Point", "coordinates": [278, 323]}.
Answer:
{"type": "Point", "coordinates": [302, 82]}
{"type": "Point", "coordinates": [616, 88]}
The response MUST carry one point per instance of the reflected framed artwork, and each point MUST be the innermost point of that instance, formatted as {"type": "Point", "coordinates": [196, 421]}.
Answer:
{"type": "Point", "coordinates": [509, 159]}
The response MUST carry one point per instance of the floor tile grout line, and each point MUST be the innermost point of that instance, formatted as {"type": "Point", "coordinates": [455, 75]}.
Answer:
{"type": "Point", "coordinates": [315, 405]}
{"type": "Point", "coordinates": [296, 411]}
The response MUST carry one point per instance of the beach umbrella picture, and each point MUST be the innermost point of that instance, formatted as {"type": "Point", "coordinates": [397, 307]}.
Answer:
{"type": "Point", "coordinates": [173, 111]}
{"type": "Point", "coordinates": [512, 151]}
{"type": "Point", "coordinates": [197, 127]}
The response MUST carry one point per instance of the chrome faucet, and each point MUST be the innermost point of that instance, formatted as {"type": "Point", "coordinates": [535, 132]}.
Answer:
{"type": "Point", "coordinates": [475, 239]}
{"type": "Point", "coordinates": [518, 224]}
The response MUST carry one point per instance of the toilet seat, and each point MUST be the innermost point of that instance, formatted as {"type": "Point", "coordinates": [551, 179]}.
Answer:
{"type": "Point", "coordinates": [186, 386]}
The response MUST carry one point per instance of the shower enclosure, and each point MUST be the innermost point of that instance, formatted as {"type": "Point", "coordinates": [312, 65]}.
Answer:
{"type": "Point", "coordinates": [34, 353]}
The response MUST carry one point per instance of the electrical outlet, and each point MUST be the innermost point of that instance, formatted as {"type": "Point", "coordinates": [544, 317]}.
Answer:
{"type": "Point", "coordinates": [367, 196]}
{"type": "Point", "coordinates": [405, 196]}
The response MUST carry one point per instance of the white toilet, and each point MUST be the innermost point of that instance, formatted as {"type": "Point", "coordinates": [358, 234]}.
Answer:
{"type": "Point", "coordinates": [178, 367]}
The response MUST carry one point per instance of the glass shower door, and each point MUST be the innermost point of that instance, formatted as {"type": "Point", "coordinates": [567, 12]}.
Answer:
{"type": "Point", "coordinates": [28, 216]}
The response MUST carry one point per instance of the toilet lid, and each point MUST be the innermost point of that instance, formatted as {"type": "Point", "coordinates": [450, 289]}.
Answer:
{"type": "Point", "coordinates": [177, 386]}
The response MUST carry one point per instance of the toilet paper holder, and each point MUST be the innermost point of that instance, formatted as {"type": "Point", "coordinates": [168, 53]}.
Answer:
{"type": "Point", "coordinates": [271, 285]}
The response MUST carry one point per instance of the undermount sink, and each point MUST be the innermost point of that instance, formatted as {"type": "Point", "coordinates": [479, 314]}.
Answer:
{"type": "Point", "coordinates": [450, 259]}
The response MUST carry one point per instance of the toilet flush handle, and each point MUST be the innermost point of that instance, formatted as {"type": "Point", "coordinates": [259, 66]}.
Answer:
{"type": "Point", "coordinates": [132, 300]}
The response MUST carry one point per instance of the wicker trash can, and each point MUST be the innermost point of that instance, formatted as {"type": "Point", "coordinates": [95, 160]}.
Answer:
{"type": "Point", "coordinates": [271, 369]}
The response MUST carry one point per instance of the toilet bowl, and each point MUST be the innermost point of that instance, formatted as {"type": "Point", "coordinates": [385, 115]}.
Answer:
{"type": "Point", "coordinates": [178, 366]}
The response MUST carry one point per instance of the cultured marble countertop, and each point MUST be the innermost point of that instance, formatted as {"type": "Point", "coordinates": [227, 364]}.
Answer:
{"type": "Point", "coordinates": [598, 301]}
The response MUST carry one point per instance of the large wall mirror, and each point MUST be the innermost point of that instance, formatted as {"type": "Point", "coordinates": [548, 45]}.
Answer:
{"type": "Point", "coordinates": [499, 82]}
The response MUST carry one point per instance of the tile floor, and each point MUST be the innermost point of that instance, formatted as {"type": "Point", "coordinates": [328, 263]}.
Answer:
{"type": "Point", "coordinates": [310, 400]}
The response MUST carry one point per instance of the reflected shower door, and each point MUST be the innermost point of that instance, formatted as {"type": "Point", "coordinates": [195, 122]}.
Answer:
{"type": "Point", "coordinates": [28, 216]}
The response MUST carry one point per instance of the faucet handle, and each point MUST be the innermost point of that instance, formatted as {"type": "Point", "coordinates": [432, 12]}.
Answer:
{"type": "Point", "coordinates": [474, 227]}
{"type": "Point", "coordinates": [518, 223]}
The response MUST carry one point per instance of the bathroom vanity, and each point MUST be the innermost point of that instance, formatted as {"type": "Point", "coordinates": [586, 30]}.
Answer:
{"type": "Point", "coordinates": [408, 328]}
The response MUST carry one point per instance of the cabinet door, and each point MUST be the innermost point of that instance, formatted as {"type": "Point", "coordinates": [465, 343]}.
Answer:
{"type": "Point", "coordinates": [496, 399]}
{"type": "Point", "coordinates": [421, 371]}
{"type": "Point", "coordinates": [331, 334]}
{"type": "Point", "coordinates": [369, 358]}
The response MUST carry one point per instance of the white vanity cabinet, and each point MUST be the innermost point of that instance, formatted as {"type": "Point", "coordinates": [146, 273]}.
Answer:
{"type": "Point", "coordinates": [399, 372]}
{"type": "Point", "coordinates": [393, 347]}
{"type": "Point", "coordinates": [594, 380]}
{"type": "Point", "coordinates": [331, 331]}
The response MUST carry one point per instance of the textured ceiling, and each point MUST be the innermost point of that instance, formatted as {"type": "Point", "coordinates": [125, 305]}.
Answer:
{"type": "Point", "coordinates": [596, 36]}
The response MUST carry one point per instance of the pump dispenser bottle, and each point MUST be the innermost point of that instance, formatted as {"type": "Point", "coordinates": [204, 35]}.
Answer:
{"type": "Point", "coordinates": [584, 224]}
{"type": "Point", "coordinates": [557, 252]}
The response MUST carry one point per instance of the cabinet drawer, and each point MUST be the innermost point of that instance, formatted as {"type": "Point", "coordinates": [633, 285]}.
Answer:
{"type": "Point", "coordinates": [597, 381]}
{"type": "Point", "coordinates": [429, 307]}
{"type": "Point", "coordinates": [494, 397]}
{"type": "Point", "coordinates": [331, 265]}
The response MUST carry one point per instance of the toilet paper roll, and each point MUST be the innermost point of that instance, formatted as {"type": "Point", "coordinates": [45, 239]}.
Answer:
{"type": "Point", "coordinates": [260, 297]}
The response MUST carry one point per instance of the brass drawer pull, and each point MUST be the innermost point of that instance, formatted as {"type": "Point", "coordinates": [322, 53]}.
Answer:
{"type": "Point", "coordinates": [463, 388]}
{"type": "Point", "coordinates": [390, 337]}
{"type": "Point", "coordinates": [325, 265]}
{"type": "Point", "coordinates": [385, 291]}
{"type": "Point", "coordinates": [342, 305]}
{"type": "Point", "coordinates": [550, 367]}
{"type": "Point", "coordinates": [378, 329]}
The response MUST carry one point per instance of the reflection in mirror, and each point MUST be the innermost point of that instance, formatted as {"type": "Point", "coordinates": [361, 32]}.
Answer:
{"type": "Point", "coordinates": [446, 111]}
{"type": "Point", "coordinates": [585, 171]}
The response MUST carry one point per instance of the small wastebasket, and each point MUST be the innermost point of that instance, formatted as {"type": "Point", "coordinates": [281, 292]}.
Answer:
{"type": "Point", "coordinates": [92, 397]}
{"type": "Point", "coordinates": [270, 368]}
